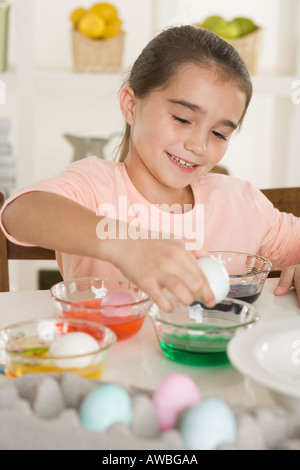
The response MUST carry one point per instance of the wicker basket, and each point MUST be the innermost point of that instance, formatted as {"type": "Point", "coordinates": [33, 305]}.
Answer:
{"type": "Point", "coordinates": [97, 55]}
{"type": "Point", "coordinates": [249, 48]}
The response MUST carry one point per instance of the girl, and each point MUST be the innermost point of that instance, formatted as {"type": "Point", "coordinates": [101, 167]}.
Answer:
{"type": "Point", "coordinates": [187, 93]}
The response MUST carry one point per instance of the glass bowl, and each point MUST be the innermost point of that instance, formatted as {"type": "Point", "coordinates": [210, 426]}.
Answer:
{"type": "Point", "coordinates": [26, 348]}
{"type": "Point", "coordinates": [197, 335]}
{"type": "Point", "coordinates": [247, 273]}
{"type": "Point", "coordinates": [115, 303]}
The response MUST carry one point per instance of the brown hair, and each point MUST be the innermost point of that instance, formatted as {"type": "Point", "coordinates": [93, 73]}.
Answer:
{"type": "Point", "coordinates": [158, 62]}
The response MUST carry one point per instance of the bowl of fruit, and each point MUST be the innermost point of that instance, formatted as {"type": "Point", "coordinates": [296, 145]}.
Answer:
{"type": "Point", "coordinates": [97, 38]}
{"type": "Point", "coordinates": [242, 33]}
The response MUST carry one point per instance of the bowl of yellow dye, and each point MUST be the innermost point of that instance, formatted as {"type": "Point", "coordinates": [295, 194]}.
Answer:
{"type": "Point", "coordinates": [55, 346]}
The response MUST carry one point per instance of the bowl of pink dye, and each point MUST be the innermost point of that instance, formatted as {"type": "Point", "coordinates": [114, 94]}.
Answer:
{"type": "Point", "coordinates": [113, 302]}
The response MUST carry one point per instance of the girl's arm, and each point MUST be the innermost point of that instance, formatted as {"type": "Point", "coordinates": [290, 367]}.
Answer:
{"type": "Point", "coordinates": [58, 223]}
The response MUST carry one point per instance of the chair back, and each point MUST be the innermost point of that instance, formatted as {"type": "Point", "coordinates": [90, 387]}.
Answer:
{"type": "Point", "coordinates": [9, 251]}
{"type": "Point", "coordinates": [284, 199]}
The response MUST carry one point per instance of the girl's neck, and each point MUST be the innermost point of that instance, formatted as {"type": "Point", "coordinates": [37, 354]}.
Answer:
{"type": "Point", "coordinates": [154, 191]}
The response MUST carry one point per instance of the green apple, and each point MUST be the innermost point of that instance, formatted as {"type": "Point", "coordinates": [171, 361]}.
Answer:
{"type": "Point", "coordinates": [247, 26]}
{"type": "Point", "coordinates": [211, 21]}
{"type": "Point", "coordinates": [229, 30]}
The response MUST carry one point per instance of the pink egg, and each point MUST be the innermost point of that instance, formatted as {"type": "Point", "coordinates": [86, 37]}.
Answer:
{"type": "Point", "coordinates": [175, 393]}
{"type": "Point", "coordinates": [118, 297]}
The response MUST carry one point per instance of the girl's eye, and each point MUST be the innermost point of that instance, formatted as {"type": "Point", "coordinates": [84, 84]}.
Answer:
{"type": "Point", "coordinates": [219, 135]}
{"type": "Point", "coordinates": [181, 120]}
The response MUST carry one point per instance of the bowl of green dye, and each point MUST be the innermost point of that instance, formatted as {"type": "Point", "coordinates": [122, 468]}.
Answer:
{"type": "Point", "coordinates": [197, 335]}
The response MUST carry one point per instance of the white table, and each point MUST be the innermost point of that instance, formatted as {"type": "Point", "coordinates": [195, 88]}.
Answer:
{"type": "Point", "coordinates": [139, 360]}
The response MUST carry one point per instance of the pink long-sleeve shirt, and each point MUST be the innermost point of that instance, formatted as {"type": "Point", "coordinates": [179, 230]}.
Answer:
{"type": "Point", "coordinates": [228, 214]}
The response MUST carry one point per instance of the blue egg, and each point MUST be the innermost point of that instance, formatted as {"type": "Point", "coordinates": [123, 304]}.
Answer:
{"type": "Point", "coordinates": [104, 406]}
{"type": "Point", "coordinates": [208, 425]}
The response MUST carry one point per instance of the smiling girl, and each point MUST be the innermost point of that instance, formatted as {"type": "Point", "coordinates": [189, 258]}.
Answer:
{"type": "Point", "coordinates": [186, 94]}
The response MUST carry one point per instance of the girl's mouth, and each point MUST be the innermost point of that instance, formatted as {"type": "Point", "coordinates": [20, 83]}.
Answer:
{"type": "Point", "coordinates": [182, 163]}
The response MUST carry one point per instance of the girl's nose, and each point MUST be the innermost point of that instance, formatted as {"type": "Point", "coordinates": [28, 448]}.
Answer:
{"type": "Point", "coordinates": [196, 143]}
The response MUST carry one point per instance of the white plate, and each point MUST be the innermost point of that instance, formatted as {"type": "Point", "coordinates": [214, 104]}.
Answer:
{"type": "Point", "coordinates": [270, 355]}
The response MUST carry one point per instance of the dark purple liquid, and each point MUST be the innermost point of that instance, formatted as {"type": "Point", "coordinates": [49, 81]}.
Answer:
{"type": "Point", "coordinates": [247, 298]}
{"type": "Point", "coordinates": [249, 292]}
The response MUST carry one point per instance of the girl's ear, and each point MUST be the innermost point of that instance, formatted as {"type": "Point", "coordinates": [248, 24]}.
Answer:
{"type": "Point", "coordinates": [127, 104]}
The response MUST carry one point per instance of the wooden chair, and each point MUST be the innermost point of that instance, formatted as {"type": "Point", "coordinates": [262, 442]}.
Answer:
{"type": "Point", "coordinates": [285, 199]}
{"type": "Point", "coordinates": [9, 250]}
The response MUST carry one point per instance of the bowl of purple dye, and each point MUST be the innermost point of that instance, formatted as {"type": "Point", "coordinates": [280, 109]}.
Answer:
{"type": "Point", "coordinates": [247, 273]}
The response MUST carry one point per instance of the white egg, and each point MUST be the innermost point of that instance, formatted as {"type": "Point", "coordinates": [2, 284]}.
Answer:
{"type": "Point", "coordinates": [217, 276]}
{"type": "Point", "coordinates": [73, 344]}
{"type": "Point", "coordinates": [208, 425]}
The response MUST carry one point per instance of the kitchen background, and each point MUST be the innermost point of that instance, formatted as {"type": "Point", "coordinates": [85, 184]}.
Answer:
{"type": "Point", "coordinates": [45, 99]}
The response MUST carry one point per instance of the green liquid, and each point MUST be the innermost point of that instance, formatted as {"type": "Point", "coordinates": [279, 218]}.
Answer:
{"type": "Point", "coordinates": [202, 350]}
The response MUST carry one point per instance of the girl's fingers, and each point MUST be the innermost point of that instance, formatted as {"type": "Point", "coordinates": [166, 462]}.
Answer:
{"type": "Point", "coordinates": [185, 279]}
{"type": "Point", "coordinates": [159, 297]}
{"type": "Point", "coordinates": [286, 281]}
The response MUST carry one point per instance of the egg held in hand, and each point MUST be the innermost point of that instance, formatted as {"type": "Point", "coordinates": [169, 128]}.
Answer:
{"type": "Point", "coordinates": [175, 393]}
{"type": "Point", "coordinates": [118, 303]}
{"type": "Point", "coordinates": [71, 345]}
{"type": "Point", "coordinates": [217, 277]}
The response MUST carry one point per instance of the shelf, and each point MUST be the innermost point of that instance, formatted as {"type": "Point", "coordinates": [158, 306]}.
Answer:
{"type": "Point", "coordinates": [64, 81]}
{"type": "Point", "coordinates": [68, 82]}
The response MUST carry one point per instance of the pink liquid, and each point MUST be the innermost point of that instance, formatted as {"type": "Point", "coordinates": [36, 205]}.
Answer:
{"type": "Point", "coordinates": [114, 318]}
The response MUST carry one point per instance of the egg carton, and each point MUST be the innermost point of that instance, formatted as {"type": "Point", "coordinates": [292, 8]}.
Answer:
{"type": "Point", "coordinates": [41, 412]}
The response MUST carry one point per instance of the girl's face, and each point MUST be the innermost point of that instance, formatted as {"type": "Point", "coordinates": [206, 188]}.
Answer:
{"type": "Point", "coordinates": [182, 131]}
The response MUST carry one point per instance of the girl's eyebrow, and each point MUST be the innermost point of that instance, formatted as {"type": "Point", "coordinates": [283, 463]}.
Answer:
{"type": "Point", "coordinates": [193, 107]}
{"type": "Point", "coordinates": [200, 110]}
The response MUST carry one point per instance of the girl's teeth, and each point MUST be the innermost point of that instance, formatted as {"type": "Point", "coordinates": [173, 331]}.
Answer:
{"type": "Point", "coordinates": [181, 162]}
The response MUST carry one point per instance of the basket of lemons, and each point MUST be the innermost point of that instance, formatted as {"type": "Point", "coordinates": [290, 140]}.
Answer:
{"type": "Point", "coordinates": [242, 33]}
{"type": "Point", "coordinates": [97, 39]}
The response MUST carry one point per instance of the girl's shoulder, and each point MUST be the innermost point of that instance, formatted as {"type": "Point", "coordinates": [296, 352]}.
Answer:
{"type": "Point", "coordinates": [95, 167]}
{"type": "Point", "coordinates": [221, 182]}
{"type": "Point", "coordinates": [228, 188]}
{"type": "Point", "coordinates": [93, 163]}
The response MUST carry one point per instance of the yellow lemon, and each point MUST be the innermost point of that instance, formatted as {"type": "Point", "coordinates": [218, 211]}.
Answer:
{"type": "Point", "coordinates": [91, 25]}
{"type": "Point", "coordinates": [112, 29]}
{"type": "Point", "coordinates": [76, 15]}
{"type": "Point", "coordinates": [106, 10]}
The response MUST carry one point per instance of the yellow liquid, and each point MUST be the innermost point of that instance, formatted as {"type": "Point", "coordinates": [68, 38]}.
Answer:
{"type": "Point", "coordinates": [17, 370]}
{"type": "Point", "coordinates": [27, 363]}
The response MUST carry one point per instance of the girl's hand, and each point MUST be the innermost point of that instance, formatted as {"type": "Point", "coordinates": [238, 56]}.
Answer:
{"type": "Point", "coordinates": [155, 265]}
{"type": "Point", "coordinates": [289, 277]}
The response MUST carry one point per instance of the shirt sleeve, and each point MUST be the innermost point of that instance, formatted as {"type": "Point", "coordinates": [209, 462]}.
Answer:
{"type": "Point", "coordinates": [72, 183]}
{"type": "Point", "coordinates": [281, 237]}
